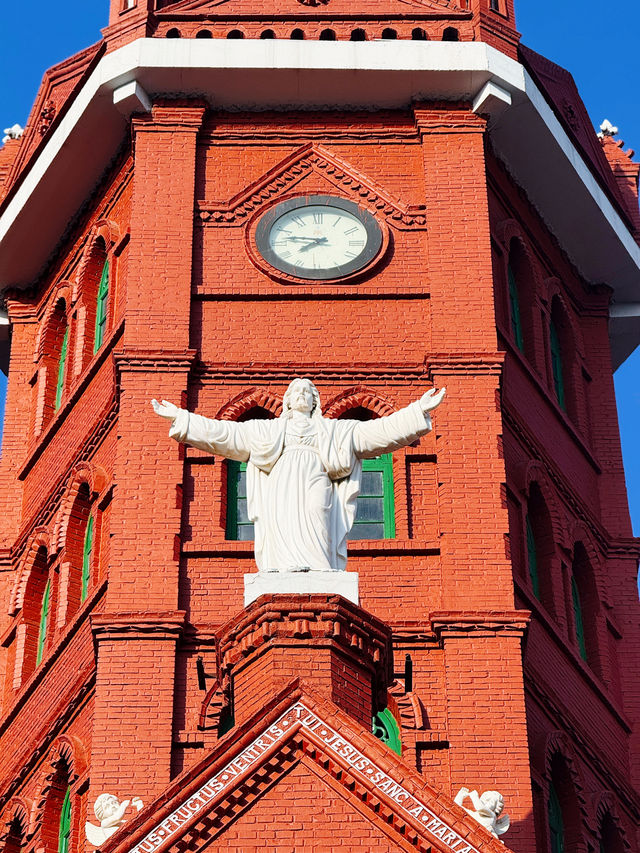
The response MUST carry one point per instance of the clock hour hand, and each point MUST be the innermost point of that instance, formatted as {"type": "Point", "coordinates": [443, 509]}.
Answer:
{"type": "Point", "coordinates": [315, 241]}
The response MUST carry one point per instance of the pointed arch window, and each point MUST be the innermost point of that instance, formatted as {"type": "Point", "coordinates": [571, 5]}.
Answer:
{"type": "Point", "coordinates": [514, 309]}
{"type": "Point", "coordinates": [532, 558]}
{"type": "Point", "coordinates": [556, 364]}
{"type": "Point", "coordinates": [62, 368]}
{"type": "Point", "coordinates": [44, 622]}
{"type": "Point", "coordinates": [556, 822]}
{"type": "Point", "coordinates": [578, 620]}
{"type": "Point", "coordinates": [87, 554]}
{"type": "Point", "coordinates": [101, 308]}
{"type": "Point", "coordinates": [64, 829]}
{"type": "Point", "coordinates": [386, 728]}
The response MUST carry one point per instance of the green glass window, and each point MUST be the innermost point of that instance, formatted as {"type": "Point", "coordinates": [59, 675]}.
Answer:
{"type": "Point", "coordinates": [577, 618]}
{"type": "Point", "coordinates": [556, 364]}
{"type": "Point", "coordinates": [556, 824]}
{"type": "Point", "coordinates": [65, 823]}
{"type": "Point", "coordinates": [86, 558]}
{"type": "Point", "coordinates": [514, 306]}
{"type": "Point", "coordinates": [62, 363]}
{"type": "Point", "coordinates": [532, 558]}
{"type": "Point", "coordinates": [44, 620]}
{"type": "Point", "coordinates": [375, 513]}
{"type": "Point", "coordinates": [101, 308]}
{"type": "Point", "coordinates": [387, 729]}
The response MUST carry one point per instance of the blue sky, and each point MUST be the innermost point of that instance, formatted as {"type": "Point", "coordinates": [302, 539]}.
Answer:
{"type": "Point", "coordinates": [589, 38]}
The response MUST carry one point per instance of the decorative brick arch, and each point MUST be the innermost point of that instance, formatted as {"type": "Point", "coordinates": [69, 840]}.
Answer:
{"type": "Point", "coordinates": [508, 231]}
{"type": "Point", "coordinates": [606, 805]}
{"type": "Point", "coordinates": [84, 473]}
{"type": "Point", "coordinates": [559, 744]}
{"type": "Point", "coordinates": [20, 809]}
{"type": "Point", "coordinates": [535, 472]}
{"type": "Point", "coordinates": [359, 396]}
{"type": "Point", "coordinates": [105, 232]}
{"type": "Point", "coordinates": [66, 751]}
{"type": "Point", "coordinates": [40, 538]}
{"type": "Point", "coordinates": [247, 400]}
{"type": "Point", "coordinates": [553, 290]}
{"type": "Point", "coordinates": [62, 293]}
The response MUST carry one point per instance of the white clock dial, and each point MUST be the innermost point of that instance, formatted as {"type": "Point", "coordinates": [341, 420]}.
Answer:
{"type": "Point", "coordinates": [318, 237]}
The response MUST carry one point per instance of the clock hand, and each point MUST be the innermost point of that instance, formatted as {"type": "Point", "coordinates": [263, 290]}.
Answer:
{"type": "Point", "coordinates": [313, 239]}
{"type": "Point", "coordinates": [316, 242]}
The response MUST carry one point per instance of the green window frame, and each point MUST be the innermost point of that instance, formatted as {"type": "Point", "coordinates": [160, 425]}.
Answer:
{"type": "Point", "coordinates": [556, 365]}
{"type": "Point", "coordinates": [386, 728]}
{"type": "Point", "coordinates": [87, 553]}
{"type": "Point", "coordinates": [64, 831]}
{"type": "Point", "coordinates": [532, 558]}
{"type": "Point", "coordinates": [514, 308]}
{"type": "Point", "coordinates": [101, 308]}
{"type": "Point", "coordinates": [578, 620]}
{"type": "Point", "coordinates": [62, 363]}
{"type": "Point", "coordinates": [556, 823]}
{"type": "Point", "coordinates": [44, 620]}
{"type": "Point", "coordinates": [375, 511]}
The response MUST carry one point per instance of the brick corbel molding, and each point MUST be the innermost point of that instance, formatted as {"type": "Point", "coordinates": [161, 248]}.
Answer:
{"type": "Point", "coordinates": [460, 624]}
{"type": "Point", "coordinates": [459, 363]}
{"type": "Point", "coordinates": [447, 118]}
{"type": "Point", "coordinates": [139, 625]}
{"type": "Point", "coordinates": [154, 361]}
{"type": "Point", "coordinates": [179, 116]}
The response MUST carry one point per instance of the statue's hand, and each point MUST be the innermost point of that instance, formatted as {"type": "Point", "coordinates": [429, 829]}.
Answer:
{"type": "Point", "coordinates": [432, 399]}
{"type": "Point", "coordinates": [165, 409]}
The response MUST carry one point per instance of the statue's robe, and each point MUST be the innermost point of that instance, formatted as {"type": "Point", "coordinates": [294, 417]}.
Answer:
{"type": "Point", "coordinates": [302, 481]}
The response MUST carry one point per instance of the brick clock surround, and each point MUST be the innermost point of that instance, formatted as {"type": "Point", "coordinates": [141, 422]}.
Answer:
{"type": "Point", "coordinates": [496, 637]}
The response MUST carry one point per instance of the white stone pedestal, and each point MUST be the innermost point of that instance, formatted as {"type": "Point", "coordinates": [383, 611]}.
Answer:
{"type": "Point", "coordinates": [301, 583]}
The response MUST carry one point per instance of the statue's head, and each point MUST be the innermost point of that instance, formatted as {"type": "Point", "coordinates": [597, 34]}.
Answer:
{"type": "Point", "coordinates": [105, 806]}
{"type": "Point", "coordinates": [301, 396]}
{"type": "Point", "coordinates": [494, 801]}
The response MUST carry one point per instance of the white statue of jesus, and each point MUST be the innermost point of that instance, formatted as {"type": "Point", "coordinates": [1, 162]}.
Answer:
{"type": "Point", "coordinates": [303, 470]}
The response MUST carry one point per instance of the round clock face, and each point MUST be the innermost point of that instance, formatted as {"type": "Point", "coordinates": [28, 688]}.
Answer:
{"type": "Point", "coordinates": [318, 237]}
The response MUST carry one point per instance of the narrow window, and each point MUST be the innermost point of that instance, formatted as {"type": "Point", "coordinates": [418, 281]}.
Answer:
{"type": "Point", "coordinates": [62, 363]}
{"type": "Point", "coordinates": [375, 511]}
{"type": "Point", "coordinates": [44, 620]}
{"type": "Point", "coordinates": [494, 5]}
{"type": "Point", "coordinates": [386, 728]}
{"type": "Point", "coordinates": [65, 823]}
{"type": "Point", "coordinates": [514, 307]}
{"type": "Point", "coordinates": [532, 558]}
{"type": "Point", "coordinates": [87, 554]}
{"type": "Point", "coordinates": [578, 620]}
{"type": "Point", "coordinates": [101, 308]}
{"type": "Point", "coordinates": [556, 364]}
{"type": "Point", "coordinates": [556, 824]}
{"type": "Point", "coordinates": [238, 524]}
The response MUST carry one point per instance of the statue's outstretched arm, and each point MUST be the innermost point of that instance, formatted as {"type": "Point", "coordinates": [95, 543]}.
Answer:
{"type": "Point", "coordinates": [224, 438]}
{"type": "Point", "coordinates": [382, 435]}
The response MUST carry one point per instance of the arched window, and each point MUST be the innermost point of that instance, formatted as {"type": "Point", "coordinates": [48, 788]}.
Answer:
{"type": "Point", "coordinates": [62, 369]}
{"type": "Point", "coordinates": [36, 612]}
{"type": "Point", "coordinates": [297, 34]}
{"type": "Point", "coordinates": [43, 626]}
{"type": "Point", "coordinates": [87, 558]}
{"type": "Point", "coordinates": [584, 606]}
{"type": "Point", "coordinates": [418, 34]}
{"type": "Point", "coordinates": [64, 827]}
{"type": "Point", "coordinates": [327, 35]}
{"type": "Point", "coordinates": [386, 728]}
{"type": "Point", "coordinates": [450, 34]}
{"type": "Point", "coordinates": [358, 35]}
{"type": "Point", "coordinates": [389, 33]}
{"type": "Point", "coordinates": [101, 307]}
{"type": "Point", "coordinates": [204, 34]}
{"type": "Point", "coordinates": [514, 309]}
{"type": "Point", "coordinates": [540, 547]}
{"type": "Point", "coordinates": [14, 838]}
{"type": "Point", "coordinates": [611, 840]}
{"type": "Point", "coordinates": [562, 350]}
{"type": "Point", "coordinates": [238, 525]}
{"type": "Point", "coordinates": [521, 293]}
{"type": "Point", "coordinates": [80, 548]}
{"type": "Point", "coordinates": [235, 34]}
{"type": "Point", "coordinates": [556, 823]}
{"type": "Point", "coordinates": [267, 34]}
{"type": "Point", "coordinates": [173, 33]}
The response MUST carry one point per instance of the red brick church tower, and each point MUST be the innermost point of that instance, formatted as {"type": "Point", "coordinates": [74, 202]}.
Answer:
{"type": "Point", "coordinates": [493, 642]}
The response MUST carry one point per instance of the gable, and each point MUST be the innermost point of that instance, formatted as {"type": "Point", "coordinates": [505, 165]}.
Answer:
{"type": "Point", "coordinates": [327, 750]}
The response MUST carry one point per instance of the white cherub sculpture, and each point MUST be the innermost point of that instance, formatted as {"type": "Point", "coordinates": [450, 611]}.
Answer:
{"type": "Point", "coordinates": [110, 812]}
{"type": "Point", "coordinates": [487, 809]}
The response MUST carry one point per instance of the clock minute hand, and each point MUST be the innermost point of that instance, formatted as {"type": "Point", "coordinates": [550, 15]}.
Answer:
{"type": "Point", "coordinates": [315, 242]}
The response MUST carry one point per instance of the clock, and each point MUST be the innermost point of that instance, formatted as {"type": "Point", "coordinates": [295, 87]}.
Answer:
{"type": "Point", "coordinates": [318, 237]}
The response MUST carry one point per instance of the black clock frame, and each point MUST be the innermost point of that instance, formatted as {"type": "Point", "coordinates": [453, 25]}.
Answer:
{"type": "Point", "coordinates": [266, 223]}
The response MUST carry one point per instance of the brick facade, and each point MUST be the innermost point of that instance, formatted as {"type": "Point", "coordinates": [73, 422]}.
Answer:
{"type": "Point", "coordinates": [148, 675]}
